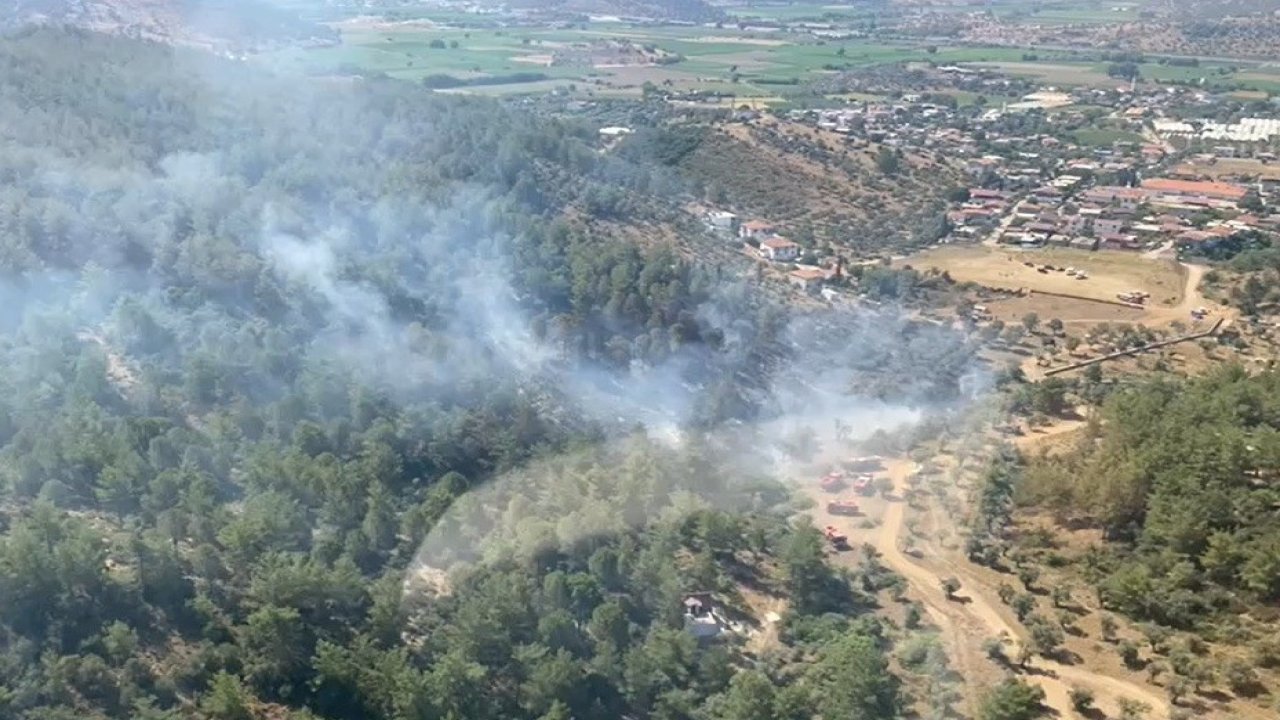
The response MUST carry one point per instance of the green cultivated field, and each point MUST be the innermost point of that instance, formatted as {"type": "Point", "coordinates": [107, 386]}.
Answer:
{"type": "Point", "coordinates": [1104, 137]}
{"type": "Point", "coordinates": [1064, 11]}
{"type": "Point", "coordinates": [1089, 11]}
{"type": "Point", "coordinates": [744, 63]}
{"type": "Point", "coordinates": [806, 11]}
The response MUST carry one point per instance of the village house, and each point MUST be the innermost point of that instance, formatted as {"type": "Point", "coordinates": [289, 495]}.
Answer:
{"type": "Point", "coordinates": [1118, 241]}
{"type": "Point", "coordinates": [779, 249]}
{"type": "Point", "coordinates": [722, 221]}
{"type": "Point", "coordinates": [1193, 237]}
{"type": "Point", "coordinates": [1044, 229]}
{"type": "Point", "coordinates": [1103, 228]}
{"type": "Point", "coordinates": [983, 194]}
{"type": "Point", "coordinates": [1074, 224]}
{"type": "Point", "coordinates": [1171, 192]}
{"type": "Point", "coordinates": [1125, 197]}
{"type": "Point", "coordinates": [753, 229]}
{"type": "Point", "coordinates": [807, 279]}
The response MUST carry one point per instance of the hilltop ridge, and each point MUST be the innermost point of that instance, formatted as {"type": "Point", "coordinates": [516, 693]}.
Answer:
{"type": "Point", "coordinates": [232, 26]}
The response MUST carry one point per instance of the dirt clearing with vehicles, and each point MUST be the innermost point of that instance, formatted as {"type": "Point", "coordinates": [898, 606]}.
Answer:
{"type": "Point", "coordinates": [1107, 274]}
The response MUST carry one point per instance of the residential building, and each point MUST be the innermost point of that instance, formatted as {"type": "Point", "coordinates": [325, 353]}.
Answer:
{"type": "Point", "coordinates": [722, 221]}
{"type": "Point", "coordinates": [752, 229]}
{"type": "Point", "coordinates": [807, 279]}
{"type": "Point", "coordinates": [779, 249]}
{"type": "Point", "coordinates": [1195, 189]}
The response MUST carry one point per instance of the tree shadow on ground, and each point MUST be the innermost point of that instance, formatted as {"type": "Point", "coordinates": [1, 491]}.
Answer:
{"type": "Point", "coordinates": [1215, 695]}
{"type": "Point", "coordinates": [1039, 671]}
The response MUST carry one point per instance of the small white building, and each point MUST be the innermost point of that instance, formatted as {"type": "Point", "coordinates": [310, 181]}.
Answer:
{"type": "Point", "coordinates": [722, 221]}
{"type": "Point", "coordinates": [779, 249]}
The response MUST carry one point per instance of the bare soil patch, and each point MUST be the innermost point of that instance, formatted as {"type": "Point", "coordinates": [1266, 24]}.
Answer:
{"type": "Point", "coordinates": [1230, 167]}
{"type": "Point", "coordinates": [1050, 73]}
{"type": "Point", "coordinates": [1109, 272]}
{"type": "Point", "coordinates": [1068, 310]}
{"type": "Point", "coordinates": [544, 60]}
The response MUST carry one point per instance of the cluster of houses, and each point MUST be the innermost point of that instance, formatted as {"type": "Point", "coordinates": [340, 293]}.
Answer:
{"type": "Point", "coordinates": [1051, 192]}
{"type": "Point", "coordinates": [1111, 217]}
{"type": "Point", "coordinates": [761, 238]}
{"type": "Point", "coordinates": [1033, 185]}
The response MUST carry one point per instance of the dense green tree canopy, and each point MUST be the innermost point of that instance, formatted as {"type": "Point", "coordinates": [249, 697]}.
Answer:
{"type": "Point", "coordinates": [1183, 473]}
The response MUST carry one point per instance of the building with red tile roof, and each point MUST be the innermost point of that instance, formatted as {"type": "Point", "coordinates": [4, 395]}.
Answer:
{"type": "Point", "coordinates": [1196, 188]}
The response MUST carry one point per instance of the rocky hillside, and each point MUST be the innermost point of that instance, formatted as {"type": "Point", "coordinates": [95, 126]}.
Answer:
{"type": "Point", "coordinates": [233, 26]}
{"type": "Point", "coordinates": [818, 189]}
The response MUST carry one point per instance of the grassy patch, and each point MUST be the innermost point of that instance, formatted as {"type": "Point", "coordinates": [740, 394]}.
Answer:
{"type": "Point", "coordinates": [1104, 137]}
{"type": "Point", "coordinates": [803, 11]}
{"type": "Point", "coordinates": [1055, 73]}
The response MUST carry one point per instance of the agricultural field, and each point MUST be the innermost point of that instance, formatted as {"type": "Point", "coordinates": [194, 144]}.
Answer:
{"type": "Point", "coordinates": [1109, 272]}
{"type": "Point", "coordinates": [747, 63]}
{"type": "Point", "coordinates": [1064, 13]}
{"type": "Point", "coordinates": [414, 51]}
{"type": "Point", "coordinates": [1222, 168]}
{"type": "Point", "coordinates": [1093, 11]}
{"type": "Point", "coordinates": [738, 59]}
{"type": "Point", "coordinates": [818, 11]}
{"type": "Point", "coordinates": [1104, 137]}
{"type": "Point", "coordinates": [1057, 72]}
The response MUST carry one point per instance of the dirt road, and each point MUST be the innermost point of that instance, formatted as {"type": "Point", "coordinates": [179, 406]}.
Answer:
{"type": "Point", "coordinates": [972, 618]}
{"type": "Point", "coordinates": [1192, 298]}
{"type": "Point", "coordinates": [1149, 134]}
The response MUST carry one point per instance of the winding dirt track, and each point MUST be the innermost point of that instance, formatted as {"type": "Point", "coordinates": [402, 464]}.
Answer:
{"type": "Point", "coordinates": [959, 620]}
{"type": "Point", "coordinates": [1192, 298]}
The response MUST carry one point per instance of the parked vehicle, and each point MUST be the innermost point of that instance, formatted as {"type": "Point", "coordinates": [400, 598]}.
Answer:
{"type": "Point", "coordinates": [832, 482]}
{"type": "Point", "coordinates": [847, 508]}
{"type": "Point", "coordinates": [838, 540]}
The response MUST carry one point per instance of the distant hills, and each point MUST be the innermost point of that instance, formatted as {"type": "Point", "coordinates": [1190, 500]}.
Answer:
{"type": "Point", "coordinates": [224, 25]}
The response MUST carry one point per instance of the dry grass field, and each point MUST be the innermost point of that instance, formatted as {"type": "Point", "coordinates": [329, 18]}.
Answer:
{"type": "Point", "coordinates": [1109, 272]}
{"type": "Point", "coordinates": [1080, 313]}
{"type": "Point", "coordinates": [1052, 73]}
{"type": "Point", "coordinates": [1230, 167]}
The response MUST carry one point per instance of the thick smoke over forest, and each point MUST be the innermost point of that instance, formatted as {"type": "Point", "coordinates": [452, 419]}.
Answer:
{"type": "Point", "coordinates": [421, 301]}
{"type": "Point", "coordinates": [342, 275]}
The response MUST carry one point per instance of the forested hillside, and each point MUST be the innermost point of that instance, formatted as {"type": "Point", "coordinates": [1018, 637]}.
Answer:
{"type": "Point", "coordinates": [259, 335]}
{"type": "Point", "coordinates": [1253, 281]}
{"type": "Point", "coordinates": [1182, 478]}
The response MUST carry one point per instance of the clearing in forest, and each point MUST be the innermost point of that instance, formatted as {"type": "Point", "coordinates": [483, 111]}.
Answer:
{"type": "Point", "coordinates": [1109, 272]}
